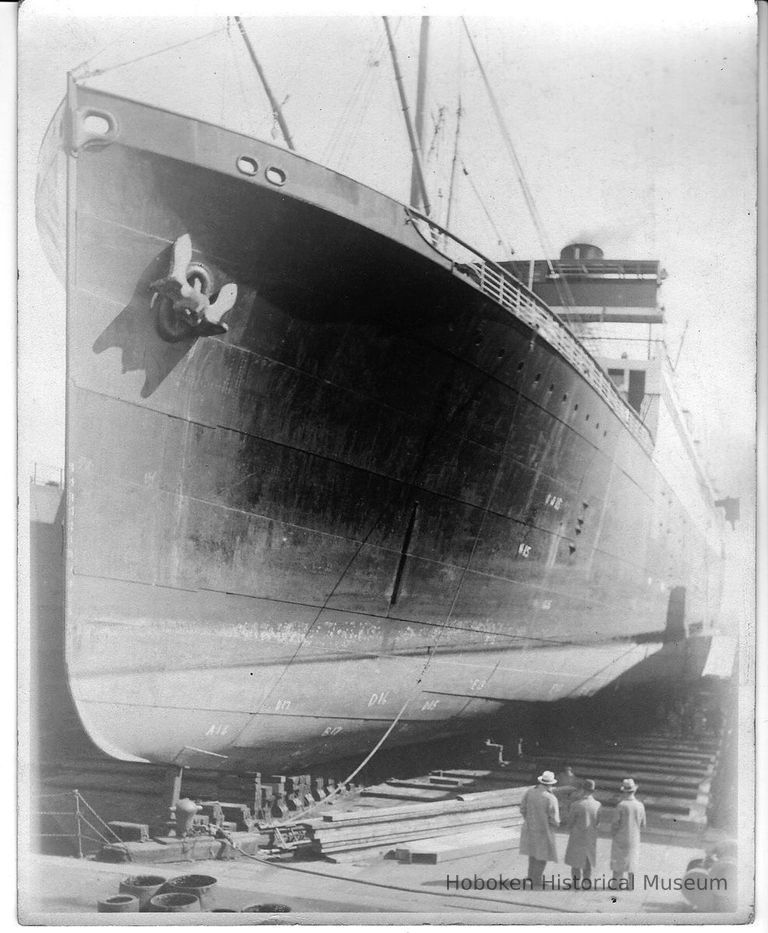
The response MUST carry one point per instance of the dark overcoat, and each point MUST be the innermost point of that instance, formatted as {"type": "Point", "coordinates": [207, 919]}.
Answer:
{"type": "Point", "coordinates": [582, 841]}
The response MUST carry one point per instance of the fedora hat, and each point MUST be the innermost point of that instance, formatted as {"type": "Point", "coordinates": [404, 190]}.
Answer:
{"type": "Point", "coordinates": [546, 777]}
{"type": "Point", "coordinates": [628, 786]}
{"type": "Point", "coordinates": [588, 785]}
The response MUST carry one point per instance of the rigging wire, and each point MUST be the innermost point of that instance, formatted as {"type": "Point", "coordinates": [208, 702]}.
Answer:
{"type": "Point", "coordinates": [237, 60]}
{"type": "Point", "coordinates": [438, 124]}
{"type": "Point", "coordinates": [561, 284]}
{"type": "Point", "coordinates": [83, 66]}
{"type": "Point", "coordinates": [352, 137]}
{"type": "Point", "coordinates": [345, 133]}
{"type": "Point", "coordinates": [140, 58]}
{"type": "Point", "coordinates": [336, 134]}
{"type": "Point", "coordinates": [500, 239]}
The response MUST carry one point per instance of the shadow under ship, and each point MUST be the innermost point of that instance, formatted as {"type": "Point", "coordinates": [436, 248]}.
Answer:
{"type": "Point", "coordinates": [388, 485]}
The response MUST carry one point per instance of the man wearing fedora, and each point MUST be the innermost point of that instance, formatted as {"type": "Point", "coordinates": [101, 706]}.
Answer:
{"type": "Point", "coordinates": [628, 820]}
{"type": "Point", "coordinates": [581, 853]}
{"type": "Point", "coordinates": [541, 817]}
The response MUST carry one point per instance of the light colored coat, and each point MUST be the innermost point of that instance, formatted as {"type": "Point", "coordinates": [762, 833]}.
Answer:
{"type": "Point", "coordinates": [628, 820]}
{"type": "Point", "coordinates": [541, 817]}
{"type": "Point", "coordinates": [582, 822]}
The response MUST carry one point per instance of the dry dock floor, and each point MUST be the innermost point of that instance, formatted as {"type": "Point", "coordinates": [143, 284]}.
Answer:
{"type": "Point", "coordinates": [369, 889]}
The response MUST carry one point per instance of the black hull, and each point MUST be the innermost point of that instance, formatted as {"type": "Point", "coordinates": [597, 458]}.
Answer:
{"type": "Point", "coordinates": [378, 493]}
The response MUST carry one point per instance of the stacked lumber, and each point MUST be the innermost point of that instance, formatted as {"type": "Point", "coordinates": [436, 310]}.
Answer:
{"type": "Point", "coordinates": [477, 842]}
{"type": "Point", "coordinates": [674, 775]}
{"type": "Point", "coordinates": [390, 826]}
{"type": "Point", "coordinates": [440, 785]}
{"type": "Point", "coordinates": [407, 790]}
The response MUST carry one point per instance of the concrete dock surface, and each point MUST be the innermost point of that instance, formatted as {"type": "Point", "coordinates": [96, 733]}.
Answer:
{"type": "Point", "coordinates": [369, 888]}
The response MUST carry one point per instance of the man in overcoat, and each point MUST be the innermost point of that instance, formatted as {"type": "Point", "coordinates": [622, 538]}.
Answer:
{"type": "Point", "coordinates": [541, 817]}
{"type": "Point", "coordinates": [581, 853]}
{"type": "Point", "coordinates": [628, 820]}
{"type": "Point", "coordinates": [568, 789]}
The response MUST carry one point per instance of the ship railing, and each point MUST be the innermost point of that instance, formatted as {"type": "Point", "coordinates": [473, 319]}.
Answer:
{"type": "Point", "coordinates": [507, 291]}
{"type": "Point", "coordinates": [68, 816]}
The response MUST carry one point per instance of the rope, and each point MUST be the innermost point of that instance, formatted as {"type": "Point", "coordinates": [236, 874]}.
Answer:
{"type": "Point", "coordinates": [397, 887]}
{"type": "Point", "coordinates": [351, 777]}
{"type": "Point", "coordinates": [103, 823]}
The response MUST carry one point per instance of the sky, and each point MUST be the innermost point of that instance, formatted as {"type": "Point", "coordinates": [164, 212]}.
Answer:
{"type": "Point", "coordinates": [635, 126]}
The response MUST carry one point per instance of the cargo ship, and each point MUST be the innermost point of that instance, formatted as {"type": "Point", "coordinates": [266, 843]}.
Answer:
{"type": "Point", "coordinates": [332, 473]}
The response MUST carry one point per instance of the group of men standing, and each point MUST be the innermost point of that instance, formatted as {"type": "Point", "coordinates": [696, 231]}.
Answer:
{"type": "Point", "coordinates": [541, 817]}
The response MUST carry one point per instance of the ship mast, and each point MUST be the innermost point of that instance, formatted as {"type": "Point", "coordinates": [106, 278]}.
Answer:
{"type": "Point", "coordinates": [276, 109]}
{"type": "Point", "coordinates": [417, 166]}
{"type": "Point", "coordinates": [453, 167]}
{"type": "Point", "coordinates": [421, 87]}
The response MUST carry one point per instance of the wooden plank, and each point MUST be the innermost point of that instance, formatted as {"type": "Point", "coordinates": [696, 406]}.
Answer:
{"type": "Point", "coordinates": [509, 796]}
{"type": "Point", "coordinates": [422, 827]}
{"type": "Point", "coordinates": [445, 784]}
{"type": "Point", "coordinates": [461, 773]}
{"type": "Point", "coordinates": [464, 803]}
{"type": "Point", "coordinates": [463, 845]}
{"type": "Point", "coordinates": [581, 762]}
{"type": "Point", "coordinates": [404, 793]}
{"type": "Point", "coordinates": [677, 753]}
{"type": "Point", "coordinates": [394, 839]}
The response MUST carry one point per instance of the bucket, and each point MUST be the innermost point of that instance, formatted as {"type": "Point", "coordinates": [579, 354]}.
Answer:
{"type": "Point", "coordinates": [266, 909]}
{"type": "Point", "coordinates": [199, 885]}
{"type": "Point", "coordinates": [118, 904]}
{"type": "Point", "coordinates": [700, 898]}
{"type": "Point", "coordinates": [142, 886]}
{"type": "Point", "coordinates": [724, 877]}
{"type": "Point", "coordinates": [174, 903]}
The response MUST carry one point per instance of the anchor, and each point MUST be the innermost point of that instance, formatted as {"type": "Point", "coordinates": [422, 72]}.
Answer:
{"type": "Point", "coordinates": [184, 309]}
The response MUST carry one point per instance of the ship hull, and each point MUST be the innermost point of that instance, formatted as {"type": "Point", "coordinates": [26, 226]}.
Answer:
{"type": "Point", "coordinates": [380, 495]}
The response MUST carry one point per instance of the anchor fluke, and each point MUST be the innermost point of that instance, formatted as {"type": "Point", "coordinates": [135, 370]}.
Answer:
{"type": "Point", "coordinates": [184, 307]}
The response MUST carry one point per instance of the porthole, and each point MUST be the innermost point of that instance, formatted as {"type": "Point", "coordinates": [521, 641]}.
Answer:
{"type": "Point", "coordinates": [576, 407]}
{"type": "Point", "coordinates": [520, 366]}
{"type": "Point", "coordinates": [275, 176]}
{"type": "Point", "coordinates": [247, 165]}
{"type": "Point", "coordinates": [565, 398]}
{"type": "Point", "coordinates": [551, 388]}
{"type": "Point", "coordinates": [597, 426]}
{"type": "Point", "coordinates": [586, 417]}
{"type": "Point", "coordinates": [97, 124]}
{"type": "Point", "coordinates": [537, 377]}
{"type": "Point", "coordinates": [95, 129]}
